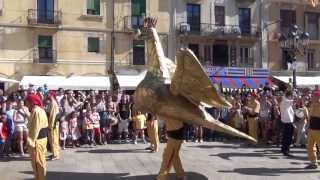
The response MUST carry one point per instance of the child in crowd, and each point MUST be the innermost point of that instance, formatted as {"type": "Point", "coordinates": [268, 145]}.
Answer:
{"type": "Point", "coordinates": [4, 133]}
{"type": "Point", "coordinates": [139, 124]}
{"type": "Point", "coordinates": [95, 117]}
{"type": "Point", "coordinates": [63, 132]}
{"type": "Point", "coordinates": [74, 129]}
{"type": "Point", "coordinates": [88, 127]}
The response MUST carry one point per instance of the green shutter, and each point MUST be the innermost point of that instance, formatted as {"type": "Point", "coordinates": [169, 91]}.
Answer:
{"type": "Point", "coordinates": [45, 41]}
{"type": "Point", "coordinates": [90, 4]}
{"type": "Point", "coordinates": [93, 7]}
{"type": "Point", "coordinates": [93, 45]}
{"type": "Point", "coordinates": [97, 6]}
{"type": "Point", "coordinates": [135, 5]}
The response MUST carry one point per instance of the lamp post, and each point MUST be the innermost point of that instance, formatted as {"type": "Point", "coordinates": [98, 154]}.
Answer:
{"type": "Point", "coordinates": [295, 42]}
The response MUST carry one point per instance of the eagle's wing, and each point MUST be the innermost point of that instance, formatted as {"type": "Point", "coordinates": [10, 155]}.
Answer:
{"type": "Point", "coordinates": [191, 81]}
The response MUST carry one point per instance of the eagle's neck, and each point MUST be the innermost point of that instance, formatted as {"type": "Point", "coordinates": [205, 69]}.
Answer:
{"type": "Point", "coordinates": [156, 57]}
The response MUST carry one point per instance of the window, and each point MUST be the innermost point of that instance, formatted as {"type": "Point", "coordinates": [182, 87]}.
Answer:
{"type": "Point", "coordinates": [45, 11]}
{"type": "Point", "coordinates": [311, 62]}
{"type": "Point", "coordinates": [138, 10]}
{"type": "Point", "coordinates": [93, 44]}
{"type": "Point", "coordinates": [193, 16]}
{"type": "Point", "coordinates": [138, 52]}
{"type": "Point", "coordinates": [245, 57]}
{"type": "Point", "coordinates": [46, 53]}
{"type": "Point", "coordinates": [219, 14]}
{"type": "Point", "coordinates": [195, 49]}
{"type": "Point", "coordinates": [93, 7]}
{"type": "Point", "coordinates": [285, 59]}
{"type": "Point", "coordinates": [245, 20]}
{"type": "Point", "coordinates": [288, 19]}
{"type": "Point", "coordinates": [312, 25]}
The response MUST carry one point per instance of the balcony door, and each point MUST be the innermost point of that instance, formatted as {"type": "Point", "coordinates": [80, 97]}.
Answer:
{"type": "Point", "coordinates": [138, 52]}
{"type": "Point", "coordinates": [45, 10]}
{"type": "Point", "coordinates": [193, 16]}
{"type": "Point", "coordinates": [45, 49]}
{"type": "Point", "coordinates": [245, 20]}
{"type": "Point", "coordinates": [220, 55]}
{"type": "Point", "coordinates": [195, 49]}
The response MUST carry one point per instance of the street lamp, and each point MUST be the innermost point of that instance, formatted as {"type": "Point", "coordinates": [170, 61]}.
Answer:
{"type": "Point", "coordinates": [293, 42]}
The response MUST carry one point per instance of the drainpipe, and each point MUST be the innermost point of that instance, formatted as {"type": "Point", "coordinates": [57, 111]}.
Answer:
{"type": "Point", "coordinates": [112, 73]}
{"type": "Point", "coordinates": [261, 23]}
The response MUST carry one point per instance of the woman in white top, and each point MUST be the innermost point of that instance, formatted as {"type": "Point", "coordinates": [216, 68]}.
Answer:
{"type": "Point", "coordinates": [21, 119]}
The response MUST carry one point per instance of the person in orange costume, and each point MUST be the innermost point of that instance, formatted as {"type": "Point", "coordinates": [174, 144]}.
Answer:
{"type": "Point", "coordinates": [37, 137]}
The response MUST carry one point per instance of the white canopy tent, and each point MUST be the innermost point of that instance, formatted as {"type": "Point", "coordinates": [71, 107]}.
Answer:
{"type": "Point", "coordinates": [302, 81]}
{"type": "Point", "coordinates": [73, 82]}
{"type": "Point", "coordinates": [130, 82]}
{"type": "Point", "coordinates": [6, 80]}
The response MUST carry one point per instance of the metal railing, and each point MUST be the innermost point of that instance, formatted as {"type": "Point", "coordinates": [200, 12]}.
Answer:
{"type": "Point", "coordinates": [207, 29]}
{"type": "Point", "coordinates": [133, 22]}
{"type": "Point", "coordinates": [44, 55]}
{"type": "Point", "coordinates": [36, 16]}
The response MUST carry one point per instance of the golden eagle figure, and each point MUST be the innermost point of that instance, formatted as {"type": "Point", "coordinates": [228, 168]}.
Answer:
{"type": "Point", "coordinates": [178, 91]}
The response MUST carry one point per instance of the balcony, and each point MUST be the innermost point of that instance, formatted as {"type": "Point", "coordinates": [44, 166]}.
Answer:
{"type": "Point", "coordinates": [244, 1]}
{"type": "Point", "coordinates": [39, 17]}
{"type": "Point", "coordinates": [133, 22]}
{"type": "Point", "coordinates": [44, 55]}
{"type": "Point", "coordinates": [205, 29]}
{"type": "Point", "coordinates": [236, 71]}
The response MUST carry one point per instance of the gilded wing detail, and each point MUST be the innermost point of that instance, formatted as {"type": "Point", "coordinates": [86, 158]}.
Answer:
{"type": "Point", "coordinates": [191, 81]}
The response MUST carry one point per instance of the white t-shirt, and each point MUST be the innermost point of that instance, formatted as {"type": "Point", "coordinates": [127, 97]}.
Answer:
{"type": "Point", "coordinates": [286, 109]}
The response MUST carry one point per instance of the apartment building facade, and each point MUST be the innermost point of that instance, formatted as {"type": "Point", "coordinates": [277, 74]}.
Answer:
{"type": "Point", "coordinates": [222, 32]}
{"type": "Point", "coordinates": [63, 37]}
{"type": "Point", "coordinates": [280, 16]}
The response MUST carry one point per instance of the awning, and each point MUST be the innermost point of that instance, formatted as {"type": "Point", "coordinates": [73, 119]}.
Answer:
{"type": "Point", "coordinates": [73, 82]}
{"type": "Point", "coordinates": [238, 82]}
{"type": "Point", "coordinates": [2, 79]}
{"type": "Point", "coordinates": [130, 82]}
{"type": "Point", "coordinates": [302, 81]}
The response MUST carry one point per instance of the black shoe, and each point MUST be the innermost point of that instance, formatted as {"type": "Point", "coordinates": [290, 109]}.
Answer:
{"type": "Point", "coordinates": [311, 166]}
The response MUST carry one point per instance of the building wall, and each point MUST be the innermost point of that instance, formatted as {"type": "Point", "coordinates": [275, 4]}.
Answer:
{"type": "Point", "coordinates": [274, 51]}
{"type": "Point", "coordinates": [231, 18]}
{"type": "Point", "coordinates": [18, 39]}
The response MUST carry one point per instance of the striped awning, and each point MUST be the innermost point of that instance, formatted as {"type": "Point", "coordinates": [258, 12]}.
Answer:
{"type": "Point", "coordinates": [238, 82]}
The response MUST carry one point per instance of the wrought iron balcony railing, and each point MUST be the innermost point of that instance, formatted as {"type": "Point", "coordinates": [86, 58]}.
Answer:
{"type": "Point", "coordinates": [205, 29]}
{"type": "Point", "coordinates": [38, 17]}
{"type": "Point", "coordinates": [44, 55]}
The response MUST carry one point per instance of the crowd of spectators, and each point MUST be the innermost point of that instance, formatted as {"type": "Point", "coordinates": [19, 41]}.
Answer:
{"type": "Point", "coordinates": [90, 118]}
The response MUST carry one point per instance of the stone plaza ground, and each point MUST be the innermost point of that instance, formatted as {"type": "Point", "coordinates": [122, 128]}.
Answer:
{"type": "Point", "coordinates": [214, 161]}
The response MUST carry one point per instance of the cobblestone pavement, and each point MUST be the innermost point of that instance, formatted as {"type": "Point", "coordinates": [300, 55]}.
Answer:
{"type": "Point", "coordinates": [214, 161]}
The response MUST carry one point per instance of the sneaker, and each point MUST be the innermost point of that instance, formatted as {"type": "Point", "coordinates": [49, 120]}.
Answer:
{"type": "Point", "coordinates": [148, 148]}
{"type": "Point", "coordinates": [135, 142]}
{"type": "Point", "coordinates": [311, 166]}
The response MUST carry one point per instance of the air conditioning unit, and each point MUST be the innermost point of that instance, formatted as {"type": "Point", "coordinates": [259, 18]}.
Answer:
{"type": "Point", "coordinates": [184, 27]}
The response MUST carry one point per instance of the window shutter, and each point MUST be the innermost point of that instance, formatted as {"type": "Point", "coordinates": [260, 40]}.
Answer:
{"type": "Point", "coordinates": [135, 8]}
{"type": "Point", "coordinates": [96, 4]}
{"type": "Point", "coordinates": [90, 4]}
